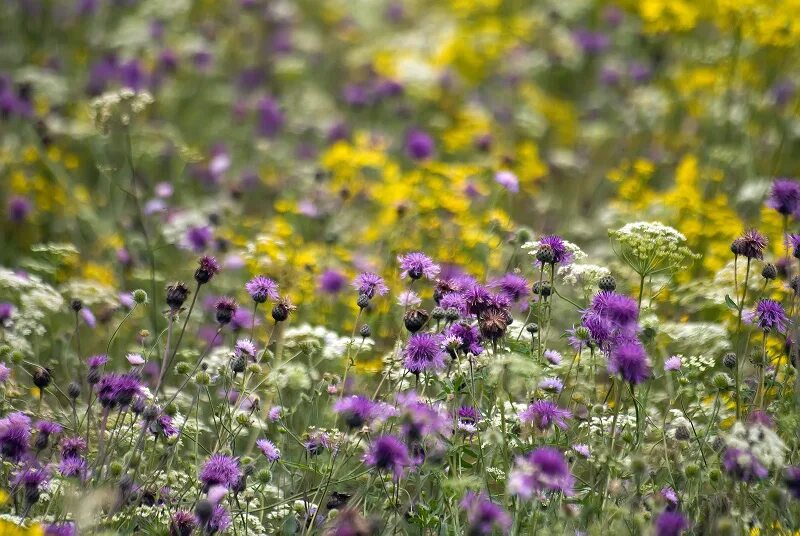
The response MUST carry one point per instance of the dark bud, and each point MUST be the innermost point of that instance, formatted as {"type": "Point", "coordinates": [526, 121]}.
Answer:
{"type": "Point", "coordinates": [414, 319]}
{"type": "Point", "coordinates": [737, 246]}
{"type": "Point", "coordinates": [225, 311]}
{"type": "Point", "coordinates": [546, 254]}
{"type": "Point", "coordinates": [365, 331]}
{"type": "Point", "coordinates": [607, 283]}
{"type": "Point", "coordinates": [93, 376]}
{"type": "Point", "coordinates": [532, 328]}
{"type": "Point", "coordinates": [31, 494]}
{"type": "Point", "coordinates": [542, 288]}
{"type": "Point", "coordinates": [41, 441]}
{"type": "Point", "coordinates": [280, 312]}
{"type": "Point", "coordinates": [138, 405]}
{"type": "Point", "coordinates": [238, 364]}
{"type": "Point", "coordinates": [438, 313]}
{"type": "Point", "coordinates": [338, 500]}
{"type": "Point", "coordinates": [493, 323]}
{"type": "Point", "coordinates": [176, 295]}
{"type": "Point", "coordinates": [452, 314]}
{"type": "Point", "coordinates": [729, 360]}
{"type": "Point", "coordinates": [73, 390]}
{"type": "Point", "coordinates": [796, 252]}
{"type": "Point", "coordinates": [769, 272]}
{"type": "Point", "coordinates": [203, 511]}
{"type": "Point", "coordinates": [794, 284]}
{"type": "Point", "coordinates": [363, 301]}
{"type": "Point", "coordinates": [150, 413]}
{"type": "Point", "coordinates": [76, 305]}
{"type": "Point", "coordinates": [682, 433]}
{"type": "Point", "coordinates": [42, 377]}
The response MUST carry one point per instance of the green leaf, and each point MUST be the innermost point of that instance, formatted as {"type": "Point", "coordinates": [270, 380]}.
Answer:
{"type": "Point", "coordinates": [730, 303]}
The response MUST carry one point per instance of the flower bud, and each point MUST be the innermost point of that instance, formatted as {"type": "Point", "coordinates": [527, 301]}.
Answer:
{"type": "Point", "coordinates": [365, 331]}
{"type": "Point", "coordinates": [607, 283]}
{"type": "Point", "coordinates": [729, 360]}
{"type": "Point", "coordinates": [139, 296]}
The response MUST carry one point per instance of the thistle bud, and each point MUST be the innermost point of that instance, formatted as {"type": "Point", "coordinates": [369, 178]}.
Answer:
{"type": "Point", "coordinates": [365, 331]}
{"type": "Point", "coordinates": [362, 301]}
{"type": "Point", "coordinates": [139, 296]}
{"type": "Point", "coordinates": [42, 377]}
{"type": "Point", "coordinates": [769, 272]}
{"type": "Point", "coordinates": [414, 319]}
{"type": "Point", "coordinates": [607, 283]}
{"type": "Point", "coordinates": [238, 364]}
{"type": "Point", "coordinates": [76, 305]}
{"type": "Point", "coordinates": [729, 360]}
{"type": "Point", "coordinates": [73, 390]}
{"type": "Point", "coordinates": [177, 293]}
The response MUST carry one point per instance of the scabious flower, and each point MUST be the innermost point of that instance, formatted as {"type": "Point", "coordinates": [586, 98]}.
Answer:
{"type": "Point", "coordinates": [484, 516]}
{"type": "Point", "coordinates": [423, 352]}
{"type": "Point", "coordinates": [262, 288]}
{"type": "Point", "coordinates": [370, 284]}
{"type": "Point", "coordinates": [629, 361]}
{"type": "Point", "coordinates": [513, 286]}
{"type": "Point", "coordinates": [768, 315]}
{"type": "Point", "coordinates": [358, 411]}
{"type": "Point", "coordinates": [135, 360]}
{"type": "Point", "coordinates": [220, 470]}
{"type": "Point", "coordinates": [316, 442]}
{"type": "Point", "coordinates": [269, 450]}
{"type": "Point", "coordinates": [388, 453]}
{"type": "Point", "coordinates": [117, 389]}
{"type": "Point", "coordinates": [15, 433]}
{"type": "Point", "coordinates": [409, 299]}
{"type": "Point", "coordinates": [417, 265]}
{"type": "Point", "coordinates": [468, 418]}
{"type": "Point", "coordinates": [543, 414]}
{"type": "Point", "coordinates": [670, 524]}
{"type": "Point", "coordinates": [582, 449]}
{"type": "Point", "coordinates": [553, 385]}
{"type": "Point", "coordinates": [543, 469]}
{"type": "Point", "coordinates": [274, 413]}
{"type": "Point", "coordinates": [245, 348]}
{"type": "Point", "coordinates": [751, 245]}
{"type": "Point", "coordinates": [669, 495]}
{"type": "Point", "coordinates": [97, 361]}
{"type": "Point", "coordinates": [673, 363]}
{"type": "Point", "coordinates": [784, 197]}
{"type": "Point", "coordinates": [507, 180]}
{"type": "Point", "coordinates": [552, 357]}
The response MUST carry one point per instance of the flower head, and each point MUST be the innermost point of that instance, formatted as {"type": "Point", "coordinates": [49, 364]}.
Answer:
{"type": "Point", "coordinates": [768, 315]}
{"type": "Point", "coordinates": [269, 450]}
{"type": "Point", "coordinates": [117, 389]}
{"type": "Point", "coordinates": [419, 144]}
{"type": "Point", "coordinates": [543, 414]}
{"type": "Point", "coordinates": [207, 268]}
{"type": "Point", "coordinates": [417, 265]}
{"type": "Point", "coordinates": [784, 197]}
{"type": "Point", "coordinates": [629, 361]}
{"type": "Point", "coordinates": [262, 288]}
{"type": "Point", "coordinates": [370, 284]}
{"type": "Point", "coordinates": [670, 523]}
{"type": "Point", "coordinates": [96, 361]}
{"type": "Point", "coordinates": [468, 418]}
{"type": "Point", "coordinates": [751, 245]}
{"type": "Point", "coordinates": [245, 348]}
{"type": "Point", "coordinates": [423, 352]}
{"type": "Point", "coordinates": [15, 432]}
{"type": "Point", "coordinates": [388, 453]}
{"type": "Point", "coordinates": [220, 470]}
{"type": "Point", "coordinates": [507, 180]}
{"type": "Point", "coordinates": [543, 469]}
{"type": "Point", "coordinates": [513, 286]}
{"type": "Point", "coordinates": [673, 363]}
{"type": "Point", "coordinates": [225, 309]}
{"type": "Point", "coordinates": [72, 446]}
{"type": "Point", "coordinates": [483, 515]}
{"type": "Point", "coordinates": [358, 411]}
{"type": "Point", "coordinates": [182, 523]}
{"type": "Point", "coordinates": [552, 249]}
{"type": "Point", "coordinates": [743, 465]}
{"type": "Point", "coordinates": [331, 281]}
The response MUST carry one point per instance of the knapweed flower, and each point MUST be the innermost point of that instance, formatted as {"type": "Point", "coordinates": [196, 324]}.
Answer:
{"type": "Point", "coordinates": [484, 516]}
{"type": "Point", "coordinates": [417, 265]}
{"type": "Point", "coordinates": [620, 311]}
{"type": "Point", "coordinates": [420, 420]}
{"type": "Point", "coordinates": [182, 523]}
{"type": "Point", "coordinates": [358, 411]}
{"type": "Point", "coordinates": [750, 245]}
{"type": "Point", "coordinates": [513, 286]}
{"type": "Point", "coordinates": [220, 520]}
{"type": "Point", "coordinates": [543, 469]}
{"type": "Point", "coordinates": [262, 288]}
{"type": "Point", "coordinates": [331, 281]}
{"type": "Point", "coordinates": [73, 467]}
{"type": "Point", "coordinates": [743, 465]}
{"type": "Point", "coordinates": [784, 197]}
{"type": "Point", "coordinates": [543, 414]}
{"type": "Point", "coordinates": [65, 528]}
{"type": "Point", "coordinates": [582, 449]}
{"type": "Point", "coordinates": [369, 284]}
{"type": "Point", "coordinates": [552, 250]}
{"type": "Point", "coordinates": [423, 352]}
{"type": "Point", "coordinates": [419, 144]}
{"type": "Point", "coordinates": [388, 453]}
{"type": "Point", "coordinates": [768, 315]}
{"type": "Point", "coordinates": [30, 479]}
{"type": "Point", "coordinates": [45, 429]}
{"type": "Point", "coordinates": [552, 356]}
{"type": "Point", "coordinates": [72, 446]}
{"type": "Point", "coordinates": [269, 450]}
{"type": "Point", "coordinates": [791, 478]}
{"type": "Point", "coordinates": [207, 268]}
{"type": "Point", "coordinates": [282, 309]}
{"type": "Point", "coordinates": [671, 523]}
{"type": "Point", "coordinates": [629, 361]}
{"type": "Point", "coordinates": [673, 363]}
{"type": "Point", "coordinates": [551, 385]}
{"type": "Point", "coordinates": [220, 470]}
{"type": "Point", "coordinates": [468, 418]}
{"type": "Point", "coordinates": [15, 433]}
{"type": "Point", "coordinates": [507, 180]}
{"type": "Point", "coordinates": [117, 389]}
{"type": "Point", "coordinates": [225, 309]}
{"type": "Point", "coordinates": [97, 361]}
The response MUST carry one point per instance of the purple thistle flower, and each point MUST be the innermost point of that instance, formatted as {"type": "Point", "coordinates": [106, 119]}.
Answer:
{"type": "Point", "coordinates": [669, 495]}
{"type": "Point", "coordinates": [552, 250]}
{"type": "Point", "coordinates": [262, 288]}
{"type": "Point", "coordinates": [117, 389]}
{"type": "Point", "coordinates": [768, 315]}
{"type": "Point", "coordinates": [670, 524]}
{"type": "Point", "coordinates": [582, 449]}
{"type": "Point", "coordinates": [269, 450]}
{"type": "Point", "coordinates": [71, 447]}
{"type": "Point", "coordinates": [5, 373]}
{"type": "Point", "coordinates": [370, 284]}
{"type": "Point", "coordinates": [483, 515]}
{"type": "Point", "coordinates": [270, 118]}
{"type": "Point", "coordinates": [784, 197]}
{"type": "Point", "coordinates": [419, 145]}
{"type": "Point", "coordinates": [198, 238]}
{"type": "Point", "coordinates": [182, 523]}
{"type": "Point", "coordinates": [225, 310]}
{"type": "Point", "coordinates": [220, 520]}
{"type": "Point", "coordinates": [421, 420]}
{"type": "Point", "coordinates": [751, 245]}
{"type": "Point", "coordinates": [454, 301]}
{"type": "Point", "coordinates": [673, 363]}
{"type": "Point", "coordinates": [73, 467]}
{"type": "Point", "coordinates": [163, 424]}
{"type": "Point", "coordinates": [416, 265]}
{"type": "Point", "coordinates": [15, 433]}
{"type": "Point", "coordinates": [65, 528]}
{"type": "Point", "coordinates": [621, 311]}
{"type": "Point", "coordinates": [30, 477]}
{"type": "Point", "coordinates": [18, 209]}
{"type": "Point", "coordinates": [477, 297]}
{"type": "Point", "coordinates": [553, 385]}
{"type": "Point", "coordinates": [97, 361]}
{"type": "Point", "coordinates": [220, 470]}
{"type": "Point", "coordinates": [387, 453]}
{"type": "Point", "coordinates": [423, 352]}
{"type": "Point", "coordinates": [469, 336]}
{"type": "Point", "coordinates": [48, 427]}
{"type": "Point", "coordinates": [629, 361]}
{"type": "Point", "coordinates": [358, 411]}
{"type": "Point", "coordinates": [743, 465]}
{"type": "Point", "coordinates": [245, 348]}
{"type": "Point", "coordinates": [543, 414]}
{"type": "Point", "coordinates": [540, 470]}
{"type": "Point", "coordinates": [331, 281]}
{"type": "Point", "coordinates": [207, 268]}
{"type": "Point", "coordinates": [791, 478]}
{"type": "Point", "coordinates": [513, 286]}
{"type": "Point", "coordinates": [507, 180]}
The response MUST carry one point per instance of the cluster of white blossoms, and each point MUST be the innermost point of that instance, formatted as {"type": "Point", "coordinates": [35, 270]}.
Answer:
{"type": "Point", "coordinates": [118, 107]}
{"type": "Point", "coordinates": [699, 363]}
{"type": "Point", "coordinates": [574, 251]}
{"type": "Point", "coordinates": [37, 300]}
{"type": "Point", "coordinates": [328, 343]}
{"type": "Point", "coordinates": [761, 440]}
{"type": "Point", "coordinates": [586, 274]}
{"type": "Point", "coordinates": [651, 247]}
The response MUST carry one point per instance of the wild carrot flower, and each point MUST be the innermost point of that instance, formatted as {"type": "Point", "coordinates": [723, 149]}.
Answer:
{"type": "Point", "coordinates": [387, 453]}
{"type": "Point", "coordinates": [543, 469]}
{"type": "Point", "coordinates": [417, 265]}
{"type": "Point", "coordinates": [543, 414]}
{"type": "Point", "coordinates": [369, 284]}
{"type": "Point", "coordinates": [262, 288]}
{"type": "Point", "coordinates": [483, 515]}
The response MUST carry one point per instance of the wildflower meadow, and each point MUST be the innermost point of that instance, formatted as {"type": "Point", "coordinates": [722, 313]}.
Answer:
{"type": "Point", "coordinates": [394, 267]}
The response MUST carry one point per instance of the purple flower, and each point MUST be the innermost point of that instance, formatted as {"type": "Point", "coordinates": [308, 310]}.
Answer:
{"type": "Point", "coordinates": [331, 281]}
{"type": "Point", "coordinates": [30, 478]}
{"type": "Point", "coordinates": [387, 453]}
{"type": "Point", "coordinates": [5, 373]}
{"type": "Point", "coordinates": [670, 524]}
{"type": "Point", "coordinates": [791, 478]}
{"type": "Point", "coordinates": [88, 317]}
{"type": "Point", "coordinates": [245, 348]}
{"type": "Point", "coordinates": [543, 469]}
{"type": "Point", "coordinates": [18, 209]}
{"type": "Point", "coordinates": [6, 312]}
{"type": "Point", "coordinates": [207, 268]}
{"type": "Point", "coordinates": [117, 389]}
{"type": "Point", "coordinates": [15, 432]}
{"type": "Point", "coordinates": [220, 520]}
{"type": "Point", "coordinates": [590, 42]}
{"type": "Point", "coordinates": [620, 311]}
{"type": "Point", "coordinates": [225, 309]}
{"type": "Point", "coordinates": [454, 301]}
{"type": "Point", "coordinates": [507, 180]}
{"type": "Point", "coordinates": [421, 420]}
{"type": "Point", "coordinates": [673, 363]}
{"type": "Point", "coordinates": [316, 442]}
{"type": "Point", "coordinates": [768, 315]}
{"type": "Point", "coordinates": [269, 450]}
{"type": "Point", "coordinates": [73, 467]}
{"type": "Point", "coordinates": [629, 361]}
{"type": "Point", "coordinates": [582, 449]}
{"type": "Point", "coordinates": [751, 245]}
{"type": "Point", "coordinates": [669, 495]}
{"type": "Point", "coordinates": [416, 265]}
{"type": "Point", "coordinates": [743, 465]}
{"type": "Point", "coordinates": [274, 413]}
{"type": "Point", "coordinates": [423, 352]}
{"type": "Point", "coordinates": [483, 515]}
{"type": "Point", "coordinates": [220, 470]}
{"type": "Point", "coordinates": [477, 297]}
{"type": "Point", "coordinates": [199, 238]}
{"type": "Point", "coordinates": [468, 418]}
{"type": "Point", "coordinates": [358, 411]}
{"type": "Point", "coordinates": [419, 145]}
{"type": "Point", "coordinates": [135, 360]}
{"type": "Point", "coordinates": [262, 288]}
{"type": "Point", "coordinates": [553, 357]}
{"type": "Point", "coordinates": [785, 197]}
{"type": "Point", "coordinates": [553, 385]}
{"type": "Point", "coordinates": [182, 523]}
{"type": "Point", "coordinates": [48, 427]}
{"type": "Point", "coordinates": [270, 118]}
{"type": "Point", "coordinates": [71, 447]}
{"type": "Point", "coordinates": [97, 361]}
{"type": "Point", "coordinates": [163, 424]}
{"type": "Point", "coordinates": [370, 284]}
{"type": "Point", "coordinates": [65, 528]}
{"type": "Point", "coordinates": [543, 414]}
{"type": "Point", "coordinates": [513, 286]}
{"type": "Point", "coordinates": [552, 250]}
